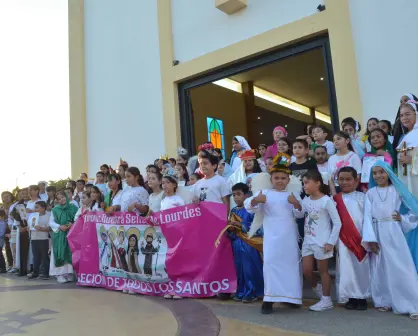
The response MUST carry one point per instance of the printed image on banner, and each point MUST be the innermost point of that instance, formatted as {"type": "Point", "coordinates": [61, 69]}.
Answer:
{"type": "Point", "coordinates": [133, 252]}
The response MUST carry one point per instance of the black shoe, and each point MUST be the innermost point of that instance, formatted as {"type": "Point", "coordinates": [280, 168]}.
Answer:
{"type": "Point", "coordinates": [32, 276]}
{"type": "Point", "coordinates": [249, 299]}
{"type": "Point", "coordinates": [224, 296]}
{"type": "Point", "coordinates": [236, 298]}
{"type": "Point", "coordinates": [3, 270]}
{"type": "Point", "coordinates": [267, 307]}
{"type": "Point", "coordinates": [351, 304]}
{"type": "Point", "coordinates": [362, 304]}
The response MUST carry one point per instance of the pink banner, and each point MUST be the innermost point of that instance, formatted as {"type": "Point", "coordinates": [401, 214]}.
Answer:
{"type": "Point", "coordinates": [174, 255]}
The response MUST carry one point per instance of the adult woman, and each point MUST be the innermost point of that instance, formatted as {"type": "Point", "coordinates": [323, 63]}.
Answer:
{"type": "Point", "coordinates": [278, 133]}
{"type": "Point", "coordinates": [398, 130]}
{"type": "Point", "coordinates": [407, 162]}
{"type": "Point", "coordinates": [239, 145]}
{"type": "Point", "coordinates": [8, 199]}
{"type": "Point", "coordinates": [61, 221]}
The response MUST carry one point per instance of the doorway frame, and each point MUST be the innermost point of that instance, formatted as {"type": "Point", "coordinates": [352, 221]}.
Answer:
{"type": "Point", "coordinates": [185, 107]}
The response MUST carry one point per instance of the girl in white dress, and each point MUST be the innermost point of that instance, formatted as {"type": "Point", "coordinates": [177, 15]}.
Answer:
{"type": "Point", "coordinates": [390, 212]}
{"type": "Point", "coordinates": [320, 237]}
{"type": "Point", "coordinates": [169, 201]}
{"type": "Point", "coordinates": [282, 276]}
{"type": "Point", "coordinates": [135, 197]}
{"type": "Point", "coordinates": [154, 183]}
{"type": "Point", "coordinates": [181, 174]}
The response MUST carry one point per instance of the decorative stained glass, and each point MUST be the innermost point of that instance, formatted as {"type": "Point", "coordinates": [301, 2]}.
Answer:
{"type": "Point", "coordinates": [216, 133]}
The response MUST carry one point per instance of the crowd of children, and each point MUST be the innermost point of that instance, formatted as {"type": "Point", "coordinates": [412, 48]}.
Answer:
{"type": "Point", "coordinates": [308, 200]}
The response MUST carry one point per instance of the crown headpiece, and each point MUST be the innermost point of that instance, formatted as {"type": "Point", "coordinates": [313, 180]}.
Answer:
{"type": "Point", "coordinates": [248, 155]}
{"type": "Point", "coordinates": [123, 162]}
{"type": "Point", "coordinates": [182, 151]}
{"type": "Point", "coordinates": [281, 163]}
{"type": "Point", "coordinates": [164, 157]}
{"type": "Point", "coordinates": [208, 146]}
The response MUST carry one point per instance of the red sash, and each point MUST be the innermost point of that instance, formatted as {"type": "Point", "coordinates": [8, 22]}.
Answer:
{"type": "Point", "coordinates": [349, 234]}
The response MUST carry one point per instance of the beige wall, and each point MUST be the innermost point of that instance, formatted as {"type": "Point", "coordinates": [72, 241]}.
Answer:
{"type": "Point", "coordinates": [217, 102]}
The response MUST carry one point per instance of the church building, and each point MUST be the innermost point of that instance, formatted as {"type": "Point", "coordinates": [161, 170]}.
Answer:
{"type": "Point", "coordinates": [149, 76]}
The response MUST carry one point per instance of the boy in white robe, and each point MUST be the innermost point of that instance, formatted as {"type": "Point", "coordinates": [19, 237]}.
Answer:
{"type": "Point", "coordinates": [394, 281]}
{"type": "Point", "coordinates": [353, 268]}
{"type": "Point", "coordinates": [282, 272]}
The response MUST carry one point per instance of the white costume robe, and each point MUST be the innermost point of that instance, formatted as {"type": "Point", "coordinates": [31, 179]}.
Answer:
{"type": "Point", "coordinates": [353, 277]}
{"type": "Point", "coordinates": [282, 271]}
{"type": "Point", "coordinates": [394, 281]}
{"type": "Point", "coordinates": [53, 270]}
{"type": "Point", "coordinates": [411, 179]}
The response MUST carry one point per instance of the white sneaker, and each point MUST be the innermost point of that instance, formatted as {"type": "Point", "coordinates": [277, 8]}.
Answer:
{"type": "Point", "coordinates": [131, 292]}
{"type": "Point", "coordinates": [125, 291]}
{"type": "Point", "coordinates": [176, 297]}
{"type": "Point", "coordinates": [61, 279]}
{"type": "Point", "coordinates": [168, 296]}
{"type": "Point", "coordinates": [324, 304]}
{"type": "Point", "coordinates": [69, 277]}
{"type": "Point", "coordinates": [318, 291]}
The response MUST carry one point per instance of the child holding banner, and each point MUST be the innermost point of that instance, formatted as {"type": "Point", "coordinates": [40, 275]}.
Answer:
{"type": "Point", "coordinates": [282, 277]}
{"type": "Point", "coordinates": [353, 281]}
{"type": "Point", "coordinates": [248, 263]}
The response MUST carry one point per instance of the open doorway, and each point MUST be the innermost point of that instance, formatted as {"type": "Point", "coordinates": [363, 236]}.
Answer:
{"type": "Point", "coordinates": [292, 87]}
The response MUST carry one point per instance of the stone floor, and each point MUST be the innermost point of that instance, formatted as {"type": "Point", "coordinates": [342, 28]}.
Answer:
{"type": "Point", "coordinates": [41, 307]}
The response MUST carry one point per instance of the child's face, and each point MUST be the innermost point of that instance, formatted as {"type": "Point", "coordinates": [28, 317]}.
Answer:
{"type": "Point", "coordinates": [299, 150]}
{"type": "Point", "coordinates": [95, 196]}
{"type": "Point", "coordinates": [164, 169]}
{"type": "Point", "coordinates": [248, 165]}
{"type": "Point", "coordinates": [221, 169]}
{"type": "Point", "coordinates": [278, 134]}
{"type": "Point", "coordinates": [88, 189]}
{"type": "Point", "coordinates": [206, 167]}
{"type": "Point", "coordinates": [80, 186]}
{"type": "Point", "coordinates": [168, 186]}
{"type": "Point", "coordinates": [262, 150]}
{"type": "Point", "coordinates": [180, 160]}
{"type": "Point", "coordinates": [130, 179]}
{"type": "Point", "coordinates": [69, 185]}
{"type": "Point", "coordinates": [121, 172]}
{"type": "Point", "coordinates": [192, 180]}
{"type": "Point", "coordinates": [310, 186]}
{"type": "Point", "coordinates": [7, 198]}
{"type": "Point", "coordinates": [282, 146]}
{"type": "Point", "coordinates": [51, 194]}
{"type": "Point", "coordinates": [347, 182]}
{"type": "Point", "coordinates": [153, 181]}
{"type": "Point", "coordinates": [83, 176]}
{"type": "Point", "coordinates": [380, 176]}
{"type": "Point", "coordinates": [280, 180]}
{"type": "Point", "coordinates": [113, 184]}
{"type": "Point", "coordinates": [33, 193]}
{"type": "Point", "coordinates": [61, 199]}
{"type": "Point", "coordinates": [239, 197]}
{"type": "Point", "coordinates": [318, 134]}
{"type": "Point", "coordinates": [371, 125]}
{"type": "Point", "coordinates": [384, 127]}
{"type": "Point", "coordinates": [320, 155]}
{"type": "Point", "coordinates": [160, 163]}
{"type": "Point", "coordinates": [104, 170]}
{"type": "Point", "coordinates": [172, 163]}
{"type": "Point", "coordinates": [377, 140]}
{"type": "Point", "coordinates": [269, 164]}
{"type": "Point", "coordinates": [39, 209]}
{"type": "Point", "coordinates": [85, 200]}
{"type": "Point", "coordinates": [41, 188]}
{"type": "Point", "coordinates": [99, 179]}
{"type": "Point", "coordinates": [349, 129]}
{"type": "Point", "coordinates": [340, 142]}
{"type": "Point", "coordinates": [179, 172]}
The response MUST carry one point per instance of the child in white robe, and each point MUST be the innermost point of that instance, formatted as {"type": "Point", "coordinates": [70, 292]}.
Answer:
{"type": "Point", "coordinates": [282, 276]}
{"type": "Point", "coordinates": [154, 183]}
{"type": "Point", "coordinates": [353, 267]}
{"type": "Point", "coordinates": [394, 281]}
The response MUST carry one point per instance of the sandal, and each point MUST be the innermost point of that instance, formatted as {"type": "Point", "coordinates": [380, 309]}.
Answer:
{"type": "Point", "coordinates": [384, 309]}
{"type": "Point", "coordinates": [413, 316]}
